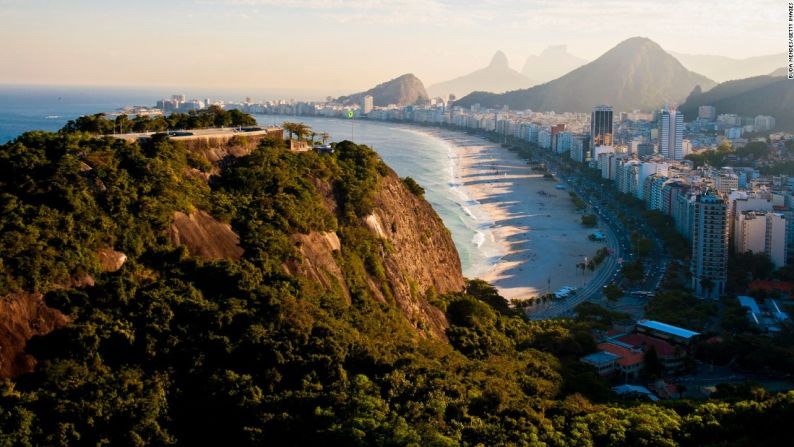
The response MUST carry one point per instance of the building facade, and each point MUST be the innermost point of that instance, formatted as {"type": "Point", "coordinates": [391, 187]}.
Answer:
{"type": "Point", "coordinates": [709, 264]}
{"type": "Point", "coordinates": [671, 134]}
{"type": "Point", "coordinates": [601, 126]}
{"type": "Point", "coordinates": [367, 104]}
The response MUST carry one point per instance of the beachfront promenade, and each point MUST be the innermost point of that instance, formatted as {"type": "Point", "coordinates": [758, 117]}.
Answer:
{"type": "Point", "coordinates": [540, 233]}
{"type": "Point", "coordinates": [594, 288]}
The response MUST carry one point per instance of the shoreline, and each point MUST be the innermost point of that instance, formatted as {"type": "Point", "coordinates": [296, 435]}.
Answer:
{"type": "Point", "coordinates": [530, 232]}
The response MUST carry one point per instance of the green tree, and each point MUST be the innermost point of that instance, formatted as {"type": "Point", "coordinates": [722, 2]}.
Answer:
{"type": "Point", "coordinates": [633, 271]}
{"type": "Point", "coordinates": [413, 186]}
{"type": "Point", "coordinates": [589, 220]}
{"type": "Point", "coordinates": [612, 291]}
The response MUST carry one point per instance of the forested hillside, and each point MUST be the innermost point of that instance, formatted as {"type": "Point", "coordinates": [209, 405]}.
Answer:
{"type": "Point", "coordinates": [370, 342]}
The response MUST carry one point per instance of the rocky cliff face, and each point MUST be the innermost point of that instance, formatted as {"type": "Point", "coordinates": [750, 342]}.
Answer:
{"type": "Point", "coordinates": [204, 236]}
{"type": "Point", "coordinates": [423, 258]}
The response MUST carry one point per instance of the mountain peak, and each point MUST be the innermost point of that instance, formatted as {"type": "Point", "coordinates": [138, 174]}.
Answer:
{"type": "Point", "coordinates": [496, 77]}
{"type": "Point", "coordinates": [405, 77]}
{"type": "Point", "coordinates": [555, 50]}
{"type": "Point", "coordinates": [553, 62]}
{"type": "Point", "coordinates": [635, 74]}
{"type": "Point", "coordinates": [403, 90]}
{"type": "Point", "coordinates": [635, 43]}
{"type": "Point", "coordinates": [499, 60]}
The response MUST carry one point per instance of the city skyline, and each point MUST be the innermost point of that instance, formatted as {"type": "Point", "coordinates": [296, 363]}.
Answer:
{"type": "Point", "coordinates": [231, 43]}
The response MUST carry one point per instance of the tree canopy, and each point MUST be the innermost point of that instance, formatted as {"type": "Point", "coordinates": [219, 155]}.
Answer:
{"type": "Point", "coordinates": [213, 116]}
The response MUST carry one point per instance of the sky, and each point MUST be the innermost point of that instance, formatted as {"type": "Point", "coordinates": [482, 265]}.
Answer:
{"type": "Point", "coordinates": [337, 46]}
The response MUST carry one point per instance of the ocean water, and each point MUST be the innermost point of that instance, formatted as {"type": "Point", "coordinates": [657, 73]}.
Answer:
{"type": "Point", "coordinates": [24, 108]}
{"type": "Point", "coordinates": [429, 160]}
{"type": "Point", "coordinates": [410, 151]}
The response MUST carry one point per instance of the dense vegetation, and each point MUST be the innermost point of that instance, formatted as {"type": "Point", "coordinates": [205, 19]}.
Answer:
{"type": "Point", "coordinates": [174, 349]}
{"type": "Point", "coordinates": [213, 116]}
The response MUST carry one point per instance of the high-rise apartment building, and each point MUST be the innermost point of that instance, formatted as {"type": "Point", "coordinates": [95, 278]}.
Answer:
{"type": "Point", "coordinates": [601, 127]}
{"type": "Point", "coordinates": [671, 133]}
{"type": "Point", "coordinates": [762, 232]}
{"type": "Point", "coordinates": [367, 104]}
{"type": "Point", "coordinates": [709, 264]}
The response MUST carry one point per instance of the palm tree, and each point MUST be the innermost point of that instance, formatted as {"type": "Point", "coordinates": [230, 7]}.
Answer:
{"type": "Point", "coordinates": [122, 122]}
{"type": "Point", "coordinates": [302, 131]}
{"type": "Point", "coordinates": [290, 127]}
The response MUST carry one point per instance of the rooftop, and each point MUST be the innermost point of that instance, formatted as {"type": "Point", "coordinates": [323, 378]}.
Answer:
{"type": "Point", "coordinates": [663, 348]}
{"type": "Point", "coordinates": [750, 303]}
{"type": "Point", "coordinates": [635, 389]}
{"type": "Point", "coordinates": [600, 358]}
{"type": "Point", "coordinates": [627, 356]}
{"type": "Point", "coordinates": [667, 328]}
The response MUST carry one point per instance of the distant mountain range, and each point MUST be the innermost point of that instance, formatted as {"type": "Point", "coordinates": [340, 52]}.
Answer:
{"type": "Point", "coordinates": [405, 90]}
{"type": "Point", "coordinates": [552, 63]}
{"type": "Point", "coordinates": [721, 68]}
{"type": "Point", "coordinates": [759, 95]}
{"type": "Point", "coordinates": [635, 74]}
{"type": "Point", "coordinates": [497, 77]}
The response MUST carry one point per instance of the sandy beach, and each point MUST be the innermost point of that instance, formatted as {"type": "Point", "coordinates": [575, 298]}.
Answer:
{"type": "Point", "coordinates": [529, 229]}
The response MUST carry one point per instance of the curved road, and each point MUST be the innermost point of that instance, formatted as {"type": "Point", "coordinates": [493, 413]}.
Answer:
{"type": "Point", "coordinates": [604, 273]}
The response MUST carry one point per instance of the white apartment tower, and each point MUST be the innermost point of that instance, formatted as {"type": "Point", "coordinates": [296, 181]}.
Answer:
{"type": "Point", "coordinates": [762, 232]}
{"type": "Point", "coordinates": [671, 134]}
{"type": "Point", "coordinates": [366, 104]}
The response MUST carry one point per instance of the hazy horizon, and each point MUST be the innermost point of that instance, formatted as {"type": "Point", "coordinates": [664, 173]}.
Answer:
{"type": "Point", "coordinates": [307, 48]}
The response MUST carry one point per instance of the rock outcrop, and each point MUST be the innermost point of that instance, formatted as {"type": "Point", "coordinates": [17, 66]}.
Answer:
{"type": "Point", "coordinates": [204, 236]}
{"type": "Point", "coordinates": [318, 262]}
{"type": "Point", "coordinates": [110, 260]}
{"type": "Point", "coordinates": [22, 316]}
{"type": "Point", "coordinates": [422, 256]}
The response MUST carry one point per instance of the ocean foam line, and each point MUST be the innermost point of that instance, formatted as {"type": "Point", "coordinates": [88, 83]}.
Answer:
{"type": "Point", "coordinates": [478, 239]}
{"type": "Point", "coordinates": [484, 224]}
{"type": "Point", "coordinates": [488, 252]}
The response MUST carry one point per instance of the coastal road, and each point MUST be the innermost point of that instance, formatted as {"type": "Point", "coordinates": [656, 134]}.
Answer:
{"type": "Point", "coordinates": [618, 231]}
{"type": "Point", "coordinates": [604, 273]}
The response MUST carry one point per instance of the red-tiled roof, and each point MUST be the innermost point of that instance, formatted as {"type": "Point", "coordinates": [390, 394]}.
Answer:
{"type": "Point", "coordinates": [627, 356]}
{"type": "Point", "coordinates": [641, 341]}
{"type": "Point", "coordinates": [631, 360]}
{"type": "Point", "coordinates": [771, 285]}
